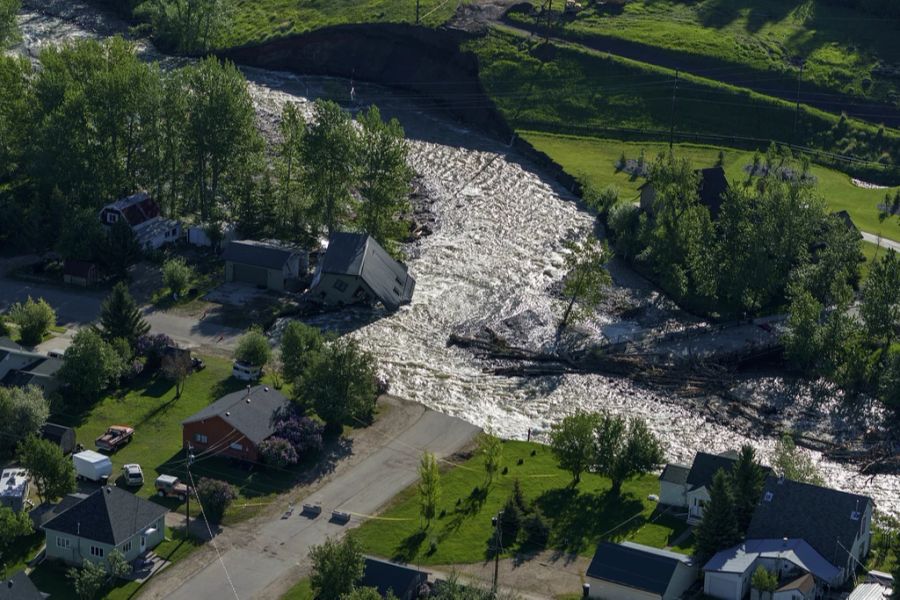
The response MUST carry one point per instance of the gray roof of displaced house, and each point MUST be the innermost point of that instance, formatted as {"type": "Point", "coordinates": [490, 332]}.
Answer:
{"type": "Point", "coordinates": [821, 516]}
{"type": "Point", "coordinates": [635, 566]}
{"type": "Point", "coordinates": [19, 587]}
{"type": "Point", "coordinates": [109, 515]}
{"type": "Point", "coordinates": [359, 255]}
{"type": "Point", "coordinates": [257, 254]}
{"type": "Point", "coordinates": [705, 467]}
{"type": "Point", "coordinates": [253, 418]}
{"type": "Point", "coordinates": [742, 557]}
{"type": "Point", "coordinates": [675, 474]}
{"type": "Point", "coordinates": [384, 575]}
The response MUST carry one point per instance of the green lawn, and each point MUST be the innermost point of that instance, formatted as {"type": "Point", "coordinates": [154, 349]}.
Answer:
{"type": "Point", "coordinates": [578, 518]}
{"type": "Point", "coordinates": [302, 590]}
{"type": "Point", "coordinates": [50, 578]}
{"type": "Point", "coordinates": [594, 159]}
{"type": "Point", "coordinates": [754, 40]}
{"type": "Point", "coordinates": [566, 88]}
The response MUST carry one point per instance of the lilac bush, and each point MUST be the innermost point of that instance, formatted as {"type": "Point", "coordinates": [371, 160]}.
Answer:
{"type": "Point", "coordinates": [295, 435]}
{"type": "Point", "coordinates": [278, 452]}
{"type": "Point", "coordinates": [152, 347]}
{"type": "Point", "coordinates": [215, 497]}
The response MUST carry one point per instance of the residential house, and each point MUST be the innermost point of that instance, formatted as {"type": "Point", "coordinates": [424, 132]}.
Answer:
{"type": "Point", "coordinates": [14, 488]}
{"type": "Point", "coordinates": [80, 272]}
{"type": "Point", "coordinates": [711, 190]}
{"type": "Point", "coordinates": [235, 425]}
{"type": "Point", "coordinates": [20, 367]}
{"type": "Point", "coordinates": [264, 264]}
{"type": "Point", "coordinates": [106, 520]}
{"type": "Point", "coordinates": [629, 571]}
{"type": "Point", "coordinates": [142, 214]}
{"type": "Point", "coordinates": [356, 269]}
{"type": "Point", "coordinates": [404, 582]}
{"type": "Point", "coordinates": [688, 487]}
{"type": "Point", "coordinates": [62, 436]}
{"type": "Point", "coordinates": [20, 587]}
{"type": "Point", "coordinates": [797, 529]}
{"type": "Point", "coordinates": [870, 590]}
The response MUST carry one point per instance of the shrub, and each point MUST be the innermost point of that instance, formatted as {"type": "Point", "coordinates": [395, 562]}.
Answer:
{"type": "Point", "coordinates": [34, 319]}
{"type": "Point", "coordinates": [510, 522]}
{"type": "Point", "coordinates": [278, 452]}
{"type": "Point", "coordinates": [253, 348]}
{"type": "Point", "coordinates": [304, 434]}
{"type": "Point", "coordinates": [177, 275]}
{"type": "Point", "coordinates": [537, 532]}
{"type": "Point", "coordinates": [215, 498]}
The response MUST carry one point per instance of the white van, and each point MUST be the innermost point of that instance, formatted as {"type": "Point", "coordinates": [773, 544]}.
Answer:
{"type": "Point", "coordinates": [244, 372]}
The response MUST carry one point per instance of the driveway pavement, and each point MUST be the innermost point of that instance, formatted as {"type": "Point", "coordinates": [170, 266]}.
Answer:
{"type": "Point", "coordinates": [883, 242]}
{"type": "Point", "coordinates": [260, 562]}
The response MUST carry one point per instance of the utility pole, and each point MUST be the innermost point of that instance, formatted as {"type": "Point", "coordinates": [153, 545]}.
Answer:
{"type": "Point", "coordinates": [417, 12]}
{"type": "Point", "coordinates": [498, 543]}
{"type": "Point", "coordinates": [674, 95]}
{"type": "Point", "coordinates": [797, 107]}
{"type": "Point", "coordinates": [187, 467]}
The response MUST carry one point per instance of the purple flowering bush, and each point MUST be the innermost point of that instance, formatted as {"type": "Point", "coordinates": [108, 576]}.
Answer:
{"type": "Point", "coordinates": [215, 497]}
{"type": "Point", "coordinates": [278, 452]}
{"type": "Point", "coordinates": [295, 435]}
{"type": "Point", "coordinates": [152, 348]}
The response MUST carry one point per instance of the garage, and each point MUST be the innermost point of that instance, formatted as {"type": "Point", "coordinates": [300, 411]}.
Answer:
{"type": "Point", "coordinates": [249, 274]}
{"type": "Point", "coordinates": [722, 585]}
{"type": "Point", "coordinates": [628, 571]}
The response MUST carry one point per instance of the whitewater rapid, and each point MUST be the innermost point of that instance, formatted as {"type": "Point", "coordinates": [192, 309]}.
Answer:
{"type": "Point", "coordinates": [495, 255]}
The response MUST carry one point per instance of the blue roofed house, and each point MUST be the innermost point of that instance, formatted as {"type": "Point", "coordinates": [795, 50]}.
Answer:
{"type": "Point", "coordinates": [799, 531]}
{"type": "Point", "coordinates": [628, 571]}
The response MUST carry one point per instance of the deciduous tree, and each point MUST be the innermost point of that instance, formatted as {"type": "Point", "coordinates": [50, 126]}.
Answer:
{"type": "Point", "coordinates": [253, 348]}
{"type": "Point", "coordinates": [177, 275]}
{"type": "Point", "coordinates": [13, 525]}
{"type": "Point", "coordinates": [624, 449]}
{"type": "Point", "coordinates": [23, 411]}
{"type": "Point", "coordinates": [792, 463]}
{"type": "Point", "coordinates": [34, 319]}
{"type": "Point", "coordinates": [88, 580]}
{"type": "Point", "coordinates": [176, 367]}
{"type": "Point", "coordinates": [880, 306]}
{"type": "Point", "coordinates": [53, 474]}
{"type": "Point", "coordinates": [585, 278]}
{"type": "Point", "coordinates": [490, 447]}
{"type": "Point", "coordinates": [339, 381]}
{"type": "Point", "coordinates": [299, 343]}
{"type": "Point", "coordinates": [429, 487]}
{"type": "Point", "coordinates": [572, 442]}
{"type": "Point", "coordinates": [337, 566]}
{"type": "Point", "coordinates": [215, 496]}
{"type": "Point", "coordinates": [9, 30]}
{"type": "Point", "coordinates": [90, 366]}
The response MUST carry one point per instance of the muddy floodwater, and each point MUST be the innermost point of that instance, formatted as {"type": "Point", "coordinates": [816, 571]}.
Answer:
{"type": "Point", "coordinates": [493, 261]}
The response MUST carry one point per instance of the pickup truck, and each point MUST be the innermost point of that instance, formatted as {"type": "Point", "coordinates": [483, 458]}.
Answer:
{"type": "Point", "coordinates": [114, 438]}
{"type": "Point", "coordinates": [168, 486]}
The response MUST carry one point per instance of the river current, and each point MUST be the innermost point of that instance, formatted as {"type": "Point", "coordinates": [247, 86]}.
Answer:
{"type": "Point", "coordinates": [493, 261]}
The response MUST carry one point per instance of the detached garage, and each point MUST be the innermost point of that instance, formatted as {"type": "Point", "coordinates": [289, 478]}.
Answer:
{"type": "Point", "coordinates": [263, 265]}
{"type": "Point", "coordinates": [629, 571]}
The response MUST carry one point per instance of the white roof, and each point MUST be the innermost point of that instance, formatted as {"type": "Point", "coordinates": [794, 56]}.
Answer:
{"type": "Point", "coordinates": [91, 457]}
{"type": "Point", "coordinates": [740, 558]}
{"type": "Point", "coordinates": [869, 591]}
{"type": "Point", "coordinates": [13, 482]}
{"type": "Point", "coordinates": [167, 479]}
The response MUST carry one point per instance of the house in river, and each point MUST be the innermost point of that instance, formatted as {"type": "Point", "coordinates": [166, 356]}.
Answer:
{"type": "Point", "coordinates": [357, 270]}
{"type": "Point", "coordinates": [141, 213]}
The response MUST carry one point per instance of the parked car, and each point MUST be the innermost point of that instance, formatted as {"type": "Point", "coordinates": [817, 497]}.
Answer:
{"type": "Point", "coordinates": [169, 486]}
{"type": "Point", "coordinates": [92, 466]}
{"type": "Point", "coordinates": [244, 372]}
{"type": "Point", "coordinates": [132, 474]}
{"type": "Point", "coordinates": [56, 353]}
{"type": "Point", "coordinates": [114, 438]}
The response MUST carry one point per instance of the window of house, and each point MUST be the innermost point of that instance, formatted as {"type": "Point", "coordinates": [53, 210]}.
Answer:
{"type": "Point", "coordinates": [97, 551]}
{"type": "Point", "coordinates": [62, 542]}
{"type": "Point", "coordinates": [340, 285]}
{"type": "Point", "coordinates": [236, 446]}
{"type": "Point", "coordinates": [126, 547]}
{"type": "Point", "coordinates": [199, 437]}
{"type": "Point", "coordinates": [112, 217]}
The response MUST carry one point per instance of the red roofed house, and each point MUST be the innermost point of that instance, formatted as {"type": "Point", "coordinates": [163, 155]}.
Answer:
{"type": "Point", "coordinates": [142, 214]}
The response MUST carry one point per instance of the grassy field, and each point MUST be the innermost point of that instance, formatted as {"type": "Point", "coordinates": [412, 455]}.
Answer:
{"type": "Point", "coordinates": [302, 590]}
{"type": "Point", "coordinates": [577, 518]}
{"type": "Point", "coordinates": [758, 41]}
{"type": "Point", "coordinates": [568, 89]}
{"type": "Point", "coordinates": [595, 159]}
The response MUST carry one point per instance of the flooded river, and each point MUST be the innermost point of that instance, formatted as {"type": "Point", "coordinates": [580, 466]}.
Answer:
{"type": "Point", "coordinates": [493, 260]}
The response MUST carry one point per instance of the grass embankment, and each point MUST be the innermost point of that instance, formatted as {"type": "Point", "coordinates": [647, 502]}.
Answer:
{"type": "Point", "coordinates": [577, 517]}
{"type": "Point", "coordinates": [302, 590]}
{"type": "Point", "coordinates": [149, 405]}
{"type": "Point", "coordinates": [595, 160]}
{"type": "Point", "coordinates": [757, 41]}
{"type": "Point", "coordinates": [568, 89]}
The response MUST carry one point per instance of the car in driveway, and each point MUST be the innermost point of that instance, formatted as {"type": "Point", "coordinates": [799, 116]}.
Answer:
{"type": "Point", "coordinates": [132, 474]}
{"type": "Point", "coordinates": [169, 486]}
{"type": "Point", "coordinates": [114, 438]}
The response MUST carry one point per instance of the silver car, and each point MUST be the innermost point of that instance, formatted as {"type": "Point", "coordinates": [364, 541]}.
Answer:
{"type": "Point", "coordinates": [132, 474]}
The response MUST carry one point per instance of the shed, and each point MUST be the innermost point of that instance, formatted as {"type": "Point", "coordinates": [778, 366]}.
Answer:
{"type": "Point", "coordinates": [62, 436]}
{"type": "Point", "coordinates": [264, 264]}
{"type": "Point", "coordinates": [405, 582]}
{"type": "Point", "coordinates": [628, 571]}
{"type": "Point", "coordinates": [80, 272]}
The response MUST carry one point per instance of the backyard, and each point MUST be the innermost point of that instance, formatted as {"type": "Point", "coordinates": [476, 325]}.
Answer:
{"type": "Point", "coordinates": [577, 518]}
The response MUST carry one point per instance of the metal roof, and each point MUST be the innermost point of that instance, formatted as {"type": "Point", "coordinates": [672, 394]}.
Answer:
{"type": "Point", "coordinates": [258, 254]}
{"type": "Point", "coordinates": [636, 566]}
{"type": "Point", "coordinates": [740, 558]}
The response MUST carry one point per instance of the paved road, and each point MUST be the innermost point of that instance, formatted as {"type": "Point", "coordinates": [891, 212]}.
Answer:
{"type": "Point", "coordinates": [275, 549]}
{"type": "Point", "coordinates": [884, 242]}
{"type": "Point", "coordinates": [191, 332]}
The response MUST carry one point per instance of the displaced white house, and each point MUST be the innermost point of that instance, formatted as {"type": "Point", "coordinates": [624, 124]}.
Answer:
{"type": "Point", "coordinates": [142, 214]}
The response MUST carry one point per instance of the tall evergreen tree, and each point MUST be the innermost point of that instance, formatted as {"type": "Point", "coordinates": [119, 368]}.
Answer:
{"type": "Point", "coordinates": [120, 316]}
{"type": "Point", "coordinates": [746, 484]}
{"type": "Point", "coordinates": [718, 529]}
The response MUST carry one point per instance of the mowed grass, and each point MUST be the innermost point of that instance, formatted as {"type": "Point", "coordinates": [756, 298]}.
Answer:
{"type": "Point", "coordinates": [595, 160]}
{"type": "Point", "coordinates": [251, 21]}
{"type": "Point", "coordinates": [302, 590]}
{"type": "Point", "coordinates": [756, 40]}
{"type": "Point", "coordinates": [50, 578]}
{"type": "Point", "coordinates": [564, 88]}
{"type": "Point", "coordinates": [578, 517]}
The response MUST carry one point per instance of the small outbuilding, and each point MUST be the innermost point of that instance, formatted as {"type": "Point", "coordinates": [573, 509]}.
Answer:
{"type": "Point", "coordinates": [357, 270]}
{"type": "Point", "coordinates": [62, 436]}
{"type": "Point", "coordinates": [264, 264]}
{"type": "Point", "coordinates": [14, 488]}
{"type": "Point", "coordinates": [80, 272]}
{"type": "Point", "coordinates": [628, 571]}
{"type": "Point", "coordinates": [403, 581]}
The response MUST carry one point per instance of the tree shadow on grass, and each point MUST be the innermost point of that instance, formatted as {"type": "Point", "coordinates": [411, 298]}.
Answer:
{"type": "Point", "coordinates": [465, 509]}
{"type": "Point", "coordinates": [409, 546]}
{"type": "Point", "coordinates": [583, 519]}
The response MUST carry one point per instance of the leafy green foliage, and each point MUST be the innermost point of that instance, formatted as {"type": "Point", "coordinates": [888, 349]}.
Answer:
{"type": "Point", "coordinates": [299, 344]}
{"type": "Point", "coordinates": [117, 565]}
{"type": "Point", "coordinates": [90, 366]}
{"type": "Point", "coordinates": [718, 529]}
{"type": "Point", "coordinates": [792, 463]}
{"type": "Point", "coordinates": [429, 486]}
{"type": "Point", "coordinates": [337, 566]}
{"type": "Point", "coordinates": [176, 367]}
{"type": "Point", "coordinates": [880, 306]}
{"type": "Point", "coordinates": [624, 449]}
{"type": "Point", "coordinates": [177, 275]}
{"type": "Point", "coordinates": [34, 319]}
{"type": "Point", "coordinates": [490, 447]}
{"type": "Point", "coordinates": [215, 496]}
{"type": "Point", "coordinates": [186, 25]}
{"type": "Point", "coordinates": [764, 580]}
{"type": "Point", "coordinates": [253, 348]}
{"type": "Point", "coordinates": [23, 411]}
{"type": "Point", "coordinates": [52, 472]}
{"type": "Point", "coordinates": [9, 30]}
{"type": "Point", "coordinates": [120, 316]}
{"type": "Point", "coordinates": [572, 442]}
{"type": "Point", "coordinates": [89, 580]}
{"type": "Point", "coordinates": [747, 479]}
{"type": "Point", "coordinates": [13, 525]}
{"type": "Point", "coordinates": [584, 281]}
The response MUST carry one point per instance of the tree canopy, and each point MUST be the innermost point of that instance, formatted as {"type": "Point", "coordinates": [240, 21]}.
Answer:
{"type": "Point", "coordinates": [23, 411]}
{"type": "Point", "coordinates": [120, 316]}
{"type": "Point", "coordinates": [337, 566]}
{"type": "Point", "coordinates": [52, 472]}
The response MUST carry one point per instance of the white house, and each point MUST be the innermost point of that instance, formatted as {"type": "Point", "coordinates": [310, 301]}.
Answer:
{"type": "Point", "coordinates": [798, 529]}
{"type": "Point", "coordinates": [688, 487]}
{"type": "Point", "coordinates": [142, 214]}
{"type": "Point", "coordinates": [630, 571]}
